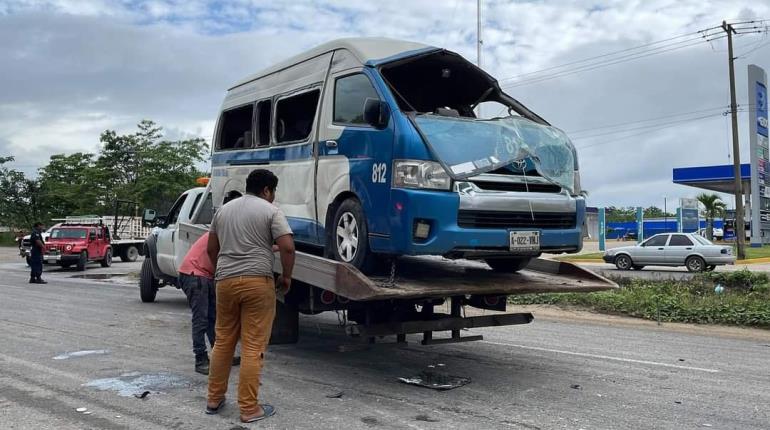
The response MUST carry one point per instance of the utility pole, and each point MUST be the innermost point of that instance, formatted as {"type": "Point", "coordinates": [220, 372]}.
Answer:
{"type": "Point", "coordinates": [740, 230]}
{"type": "Point", "coordinates": [479, 40]}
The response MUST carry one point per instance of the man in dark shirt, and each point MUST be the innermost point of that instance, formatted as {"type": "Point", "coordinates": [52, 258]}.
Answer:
{"type": "Point", "coordinates": [36, 257]}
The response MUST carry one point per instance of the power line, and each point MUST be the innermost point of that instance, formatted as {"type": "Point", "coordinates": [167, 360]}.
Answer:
{"type": "Point", "coordinates": [647, 120]}
{"type": "Point", "coordinates": [672, 124]}
{"type": "Point", "coordinates": [596, 57]}
{"type": "Point", "coordinates": [589, 67]}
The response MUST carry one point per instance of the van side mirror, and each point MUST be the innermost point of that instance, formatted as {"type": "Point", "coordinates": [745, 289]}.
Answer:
{"type": "Point", "coordinates": [149, 216]}
{"type": "Point", "coordinates": [376, 113]}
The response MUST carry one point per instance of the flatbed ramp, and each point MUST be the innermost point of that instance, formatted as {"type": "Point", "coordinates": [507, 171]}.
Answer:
{"type": "Point", "coordinates": [424, 277]}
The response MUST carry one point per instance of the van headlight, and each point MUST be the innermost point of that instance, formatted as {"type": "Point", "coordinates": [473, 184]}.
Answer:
{"type": "Point", "coordinates": [420, 174]}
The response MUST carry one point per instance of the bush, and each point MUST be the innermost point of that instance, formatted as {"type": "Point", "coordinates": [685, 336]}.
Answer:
{"type": "Point", "coordinates": [745, 300]}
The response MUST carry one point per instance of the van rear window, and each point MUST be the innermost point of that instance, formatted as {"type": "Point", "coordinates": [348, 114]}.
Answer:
{"type": "Point", "coordinates": [294, 116]}
{"type": "Point", "coordinates": [235, 132]}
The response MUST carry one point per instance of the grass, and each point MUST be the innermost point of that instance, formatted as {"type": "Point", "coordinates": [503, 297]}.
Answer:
{"type": "Point", "coordinates": [591, 256]}
{"type": "Point", "coordinates": [745, 300]}
{"type": "Point", "coordinates": [752, 253]}
{"type": "Point", "coordinates": [7, 239]}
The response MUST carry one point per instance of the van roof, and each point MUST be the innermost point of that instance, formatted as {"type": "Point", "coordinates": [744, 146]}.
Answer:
{"type": "Point", "coordinates": [368, 50]}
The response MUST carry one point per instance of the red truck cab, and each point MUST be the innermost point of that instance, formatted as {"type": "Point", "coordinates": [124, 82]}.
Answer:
{"type": "Point", "coordinates": [78, 244]}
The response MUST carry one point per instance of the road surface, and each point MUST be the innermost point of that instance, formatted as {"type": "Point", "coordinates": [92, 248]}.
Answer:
{"type": "Point", "coordinates": [83, 343]}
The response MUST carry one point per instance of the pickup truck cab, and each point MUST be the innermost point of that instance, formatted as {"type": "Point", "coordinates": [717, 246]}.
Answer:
{"type": "Point", "coordinates": [78, 244]}
{"type": "Point", "coordinates": [163, 250]}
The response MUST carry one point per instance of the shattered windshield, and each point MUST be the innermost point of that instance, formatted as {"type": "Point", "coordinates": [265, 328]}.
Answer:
{"type": "Point", "coordinates": [468, 147]}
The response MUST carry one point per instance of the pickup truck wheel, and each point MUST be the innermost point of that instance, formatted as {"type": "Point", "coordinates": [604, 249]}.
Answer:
{"type": "Point", "coordinates": [148, 285]}
{"type": "Point", "coordinates": [508, 265]}
{"type": "Point", "coordinates": [82, 261]}
{"type": "Point", "coordinates": [107, 260]}
{"type": "Point", "coordinates": [129, 254]}
{"type": "Point", "coordinates": [285, 324]}
{"type": "Point", "coordinates": [695, 264]}
{"type": "Point", "coordinates": [623, 262]}
{"type": "Point", "coordinates": [65, 265]}
{"type": "Point", "coordinates": [349, 239]}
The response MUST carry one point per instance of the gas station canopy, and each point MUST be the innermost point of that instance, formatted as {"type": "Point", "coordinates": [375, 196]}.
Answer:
{"type": "Point", "coordinates": [714, 178]}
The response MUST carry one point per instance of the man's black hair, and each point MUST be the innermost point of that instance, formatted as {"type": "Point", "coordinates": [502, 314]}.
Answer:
{"type": "Point", "coordinates": [37, 224]}
{"type": "Point", "coordinates": [259, 179]}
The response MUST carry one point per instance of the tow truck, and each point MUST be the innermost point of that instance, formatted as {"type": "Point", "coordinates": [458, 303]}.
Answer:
{"type": "Point", "coordinates": [408, 298]}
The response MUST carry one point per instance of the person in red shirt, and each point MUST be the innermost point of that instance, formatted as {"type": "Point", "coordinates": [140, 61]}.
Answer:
{"type": "Point", "coordinates": [196, 279]}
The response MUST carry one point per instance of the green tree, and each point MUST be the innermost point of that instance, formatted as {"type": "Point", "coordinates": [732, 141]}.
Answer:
{"type": "Point", "coordinates": [713, 207]}
{"type": "Point", "coordinates": [67, 186]}
{"type": "Point", "coordinates": [142, 168]}
{"type": "Point", "coordinates": [20, 206]}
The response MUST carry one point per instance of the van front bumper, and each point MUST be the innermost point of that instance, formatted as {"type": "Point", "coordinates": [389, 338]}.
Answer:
{"type": "Point", "coordinates": [458, 236]}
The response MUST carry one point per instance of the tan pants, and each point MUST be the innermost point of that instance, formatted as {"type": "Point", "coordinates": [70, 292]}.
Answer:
{"type": "Point", "coordinates": [245, 308]}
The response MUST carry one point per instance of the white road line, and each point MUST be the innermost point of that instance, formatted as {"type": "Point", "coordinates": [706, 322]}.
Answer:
{"type": "Point", "coordinates": [603, 357]}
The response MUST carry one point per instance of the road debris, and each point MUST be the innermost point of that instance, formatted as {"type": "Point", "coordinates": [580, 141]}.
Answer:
{"type": "Point", "coordinates": [426, 418]}
{"type": "Point", "coordinates": [436, 381]}
{"type": "Point", "coordinates": [76, 354]}
{"type": "Point", "coordinates": [81, 410]}
{"type": "Point", "coordinates": [576, 387]}
{"type": "Point", "coordinates": [336, 395]}
{"type": "Point", "coordinates": [143, 395]}
{"type": "Point", "coordinates": [128, 384]}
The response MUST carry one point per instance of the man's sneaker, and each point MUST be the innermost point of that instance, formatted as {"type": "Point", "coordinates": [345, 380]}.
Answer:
{"type": "Point", "coordinates": [33, 281]}
{"type": "Point", "coordinates": [237, 361]}
{"type": "Point", "coordinates": [202, 364]}
{"type": "Point", "coordinates": [40, 281]}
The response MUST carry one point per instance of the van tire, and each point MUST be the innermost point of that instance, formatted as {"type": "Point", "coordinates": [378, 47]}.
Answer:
{"type": "Point", "coordinates": [107, 260]}
{"type": "Point", "coordinates": [350, 218]}
{"type": "Point", "coordinates": [508, 264]}
{"type": "Point", "coordinates": [285, 324]}
{"type": "Point", "coordinates": [148, 285]}
{"type": "Point", "coordinates": [82, 261]}
{"type": "Point", "coordinates": [129, 254]}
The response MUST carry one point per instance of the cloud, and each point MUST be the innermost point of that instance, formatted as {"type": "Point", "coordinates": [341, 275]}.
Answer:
{"type": "Point", "coordinates": [74, 68]}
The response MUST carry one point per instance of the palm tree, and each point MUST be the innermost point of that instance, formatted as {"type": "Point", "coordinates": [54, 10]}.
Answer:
{"type": "Point", "coordinates": [713, 207]}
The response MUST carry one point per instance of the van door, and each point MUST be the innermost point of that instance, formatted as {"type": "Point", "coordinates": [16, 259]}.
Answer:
{"type": "Point", "coordinates": [353, 155]}
{"type": "Point", "coordinates": [291, 159]}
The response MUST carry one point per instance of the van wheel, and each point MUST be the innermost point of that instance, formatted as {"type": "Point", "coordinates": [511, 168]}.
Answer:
{"type": "Point", "coordinates": [508, 265]}
{"type": "Point", "coordinates": [148, 285]}
{"type": "Point", "coordinates": [349, 237]}
{"type": "Point", "coordinates": [695, 264]}
{"type": "Point", "coordinates": [82, 261]}
{"type": "Point", "coordinates": [129, 254]}
{"type": "Point", "coordinates": [107, 260]}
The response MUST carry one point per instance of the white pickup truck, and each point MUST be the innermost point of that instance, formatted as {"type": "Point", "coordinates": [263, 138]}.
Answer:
{"type": "Point", "coordinates": [396, 303]}
{"type": "Point", "coordinates": [162, 249]}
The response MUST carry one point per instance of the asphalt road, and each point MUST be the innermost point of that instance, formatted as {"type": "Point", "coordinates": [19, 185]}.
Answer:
{"type": "Point", "coordinates": [551, 374]}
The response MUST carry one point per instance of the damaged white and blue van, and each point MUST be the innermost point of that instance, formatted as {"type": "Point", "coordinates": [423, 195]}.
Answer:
{"type": "Point", "coordinates": [380, 152]}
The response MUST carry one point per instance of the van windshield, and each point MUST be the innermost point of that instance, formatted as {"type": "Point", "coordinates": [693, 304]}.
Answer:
{"type": "Point", "coordinates": [469, 146]}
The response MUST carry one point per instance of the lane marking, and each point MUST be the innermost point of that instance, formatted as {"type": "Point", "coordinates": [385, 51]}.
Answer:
{"type": "Point", "coordinates": [603, 357]}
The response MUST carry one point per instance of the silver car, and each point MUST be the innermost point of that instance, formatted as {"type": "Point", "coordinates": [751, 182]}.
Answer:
{"type": "Point", "coordinates": [671, 249]}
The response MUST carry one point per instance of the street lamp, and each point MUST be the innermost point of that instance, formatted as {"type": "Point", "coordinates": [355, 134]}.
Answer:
{"type": "Point", "coordinates": [665, 214]}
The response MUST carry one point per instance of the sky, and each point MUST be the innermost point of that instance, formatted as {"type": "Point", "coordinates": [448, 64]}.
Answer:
{"type": "Point", "coordinates": [71, 69]}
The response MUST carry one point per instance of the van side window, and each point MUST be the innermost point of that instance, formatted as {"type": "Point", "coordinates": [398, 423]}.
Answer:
{"type": "Point", "coordinates": [264, 109]}
{"type": "Point", "coordinates": [350, 94]}
{"type": "Point", "coordinates": [235, 132]}
{"type": "Point", "coordinates": [294, 116]}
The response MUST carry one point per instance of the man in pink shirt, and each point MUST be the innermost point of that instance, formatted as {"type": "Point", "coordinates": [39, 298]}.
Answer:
{"type": "Point", "coordinates": [196, 279]}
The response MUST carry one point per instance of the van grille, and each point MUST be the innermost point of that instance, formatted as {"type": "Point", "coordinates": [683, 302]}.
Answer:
{"type": "Point", "coordinates": [519, 187]}
{"type": "Point", "coordinates": [498, 219]}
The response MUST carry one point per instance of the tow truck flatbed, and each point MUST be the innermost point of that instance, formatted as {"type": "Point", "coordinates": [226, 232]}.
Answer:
{"type": "Point", "coordinates": [433, 277]}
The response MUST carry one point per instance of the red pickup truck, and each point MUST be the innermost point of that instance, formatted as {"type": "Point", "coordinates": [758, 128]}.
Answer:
{"type": "Point", "coordinates": [78, 244]}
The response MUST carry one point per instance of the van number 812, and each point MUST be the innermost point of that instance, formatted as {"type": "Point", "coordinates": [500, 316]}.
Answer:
{"type": "Point", "coordinates": [378, 172]}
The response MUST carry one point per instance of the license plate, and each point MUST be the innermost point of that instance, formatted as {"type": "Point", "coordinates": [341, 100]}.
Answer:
{"type": "Point", "coordinates": [525, 241]}
{"type": "Point", "coordinates": [50, 258]}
